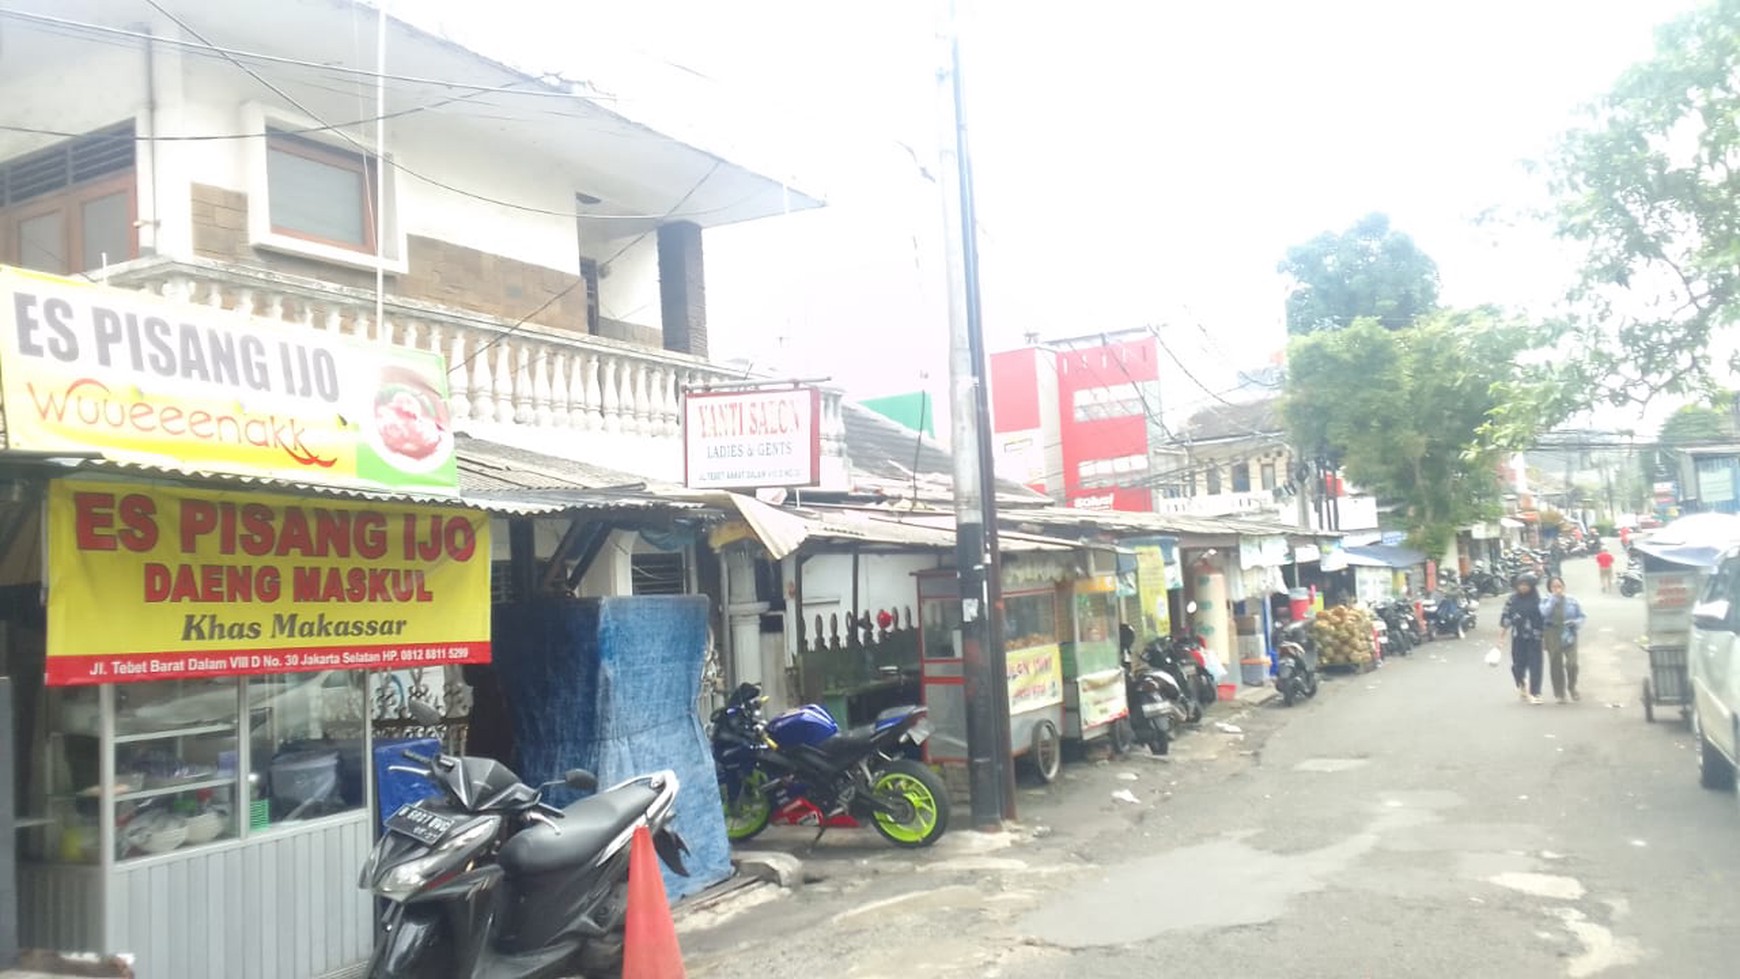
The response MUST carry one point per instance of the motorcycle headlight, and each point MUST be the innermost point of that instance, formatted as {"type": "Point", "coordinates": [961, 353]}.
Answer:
{"type": "Point", "coordinates": [404, 880]}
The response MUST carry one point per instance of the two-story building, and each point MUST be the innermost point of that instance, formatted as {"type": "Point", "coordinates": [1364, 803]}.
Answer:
{"type": "Point", "coordinates": [548, 245]}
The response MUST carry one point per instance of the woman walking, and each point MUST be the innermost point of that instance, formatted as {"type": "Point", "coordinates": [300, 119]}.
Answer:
{"type": "Point", "coordinates": [1523, 622]}
{"type": "Point", "coordinates": [1561, 619]}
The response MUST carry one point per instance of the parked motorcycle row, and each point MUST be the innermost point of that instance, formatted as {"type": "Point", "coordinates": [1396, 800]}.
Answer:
{"type": "Point", "coordinates": [1168, 687]}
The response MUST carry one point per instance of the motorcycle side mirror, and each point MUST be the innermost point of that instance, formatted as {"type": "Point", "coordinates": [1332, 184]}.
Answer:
{"type": "Point", "coordinates": [580, 780]}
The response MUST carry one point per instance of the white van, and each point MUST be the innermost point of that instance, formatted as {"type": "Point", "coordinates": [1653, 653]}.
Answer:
{"type": "Point", "coordinates": [1714, 666]}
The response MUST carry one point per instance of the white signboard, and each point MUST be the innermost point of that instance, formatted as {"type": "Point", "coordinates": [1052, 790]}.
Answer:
{"type": "Point", "coordinates": [752, 439]}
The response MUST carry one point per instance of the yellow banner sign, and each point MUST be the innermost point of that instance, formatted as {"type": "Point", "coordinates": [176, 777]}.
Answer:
{"type": "Point", "coordinates": [1151, 584]}
{"type": "Point", "coordinates": [145, 379]}
{"type": "Point", "coordinates": [148, 583]}
{"type": "Point", "coordinates": [1035, 677]}
{"type": "Point", "coordinates": [1101, 698]}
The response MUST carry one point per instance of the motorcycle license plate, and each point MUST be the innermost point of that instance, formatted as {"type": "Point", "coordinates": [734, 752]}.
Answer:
{"type": "Point", "coordinates": [427, 828]}
{"type": "Point", "coordinates": [919, 733]}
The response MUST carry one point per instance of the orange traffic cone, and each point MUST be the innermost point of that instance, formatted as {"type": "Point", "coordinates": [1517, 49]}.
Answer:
{"type": "Point", "coordinates": [649, 938]}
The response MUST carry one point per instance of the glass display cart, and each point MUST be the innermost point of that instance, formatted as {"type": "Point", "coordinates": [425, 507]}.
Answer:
{"type": "Point", "coordinates": [1093, 678]}
{"type": "Point", "coordinates": [1034, 669]}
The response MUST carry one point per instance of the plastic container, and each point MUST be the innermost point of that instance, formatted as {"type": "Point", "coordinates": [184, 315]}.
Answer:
{"type": "Point", "coordinates": [1227, 691]}
{"type": "Point", "coordinates": [305, 776]}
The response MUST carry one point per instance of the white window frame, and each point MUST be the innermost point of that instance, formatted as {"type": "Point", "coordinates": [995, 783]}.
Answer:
{"type": "Point", "coordinates": [392, 248]}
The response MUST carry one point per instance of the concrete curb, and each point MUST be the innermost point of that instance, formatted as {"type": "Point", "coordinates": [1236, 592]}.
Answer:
{"type": "Point", "coordinates": [772, 866]}
{"type": "Point", "coordinates": [1257, 696]}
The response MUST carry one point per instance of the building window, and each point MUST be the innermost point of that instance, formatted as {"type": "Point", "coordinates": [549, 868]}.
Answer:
{"type": "Point", "coordinates": [321, 194]}
{"type": "Point", "coordinates": [70, 208]}
{"type": "Point", "coordinates": [1214, 481]}
{"type": "Point", "coordinates": [1269, 476]}
{"type": "Point", "coordinates": [1101, 472]}
{"type": "Point", "coordinates": [1114, 401]}
{"type": "Point", "coordinates": [659, 573]}
{"type": "Point", "coordinates": [1241, 477]}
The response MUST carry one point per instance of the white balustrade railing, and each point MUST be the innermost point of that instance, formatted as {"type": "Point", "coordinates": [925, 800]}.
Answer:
{"type": "Point", "coordinates": [501, 376]}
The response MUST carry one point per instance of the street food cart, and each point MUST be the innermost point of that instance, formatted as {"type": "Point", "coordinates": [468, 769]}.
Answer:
{"type": "Point", "coordinates": [1093, 679]}
{"type": "Point", "coordinates": [1676, 560]}
{"type": "Point", "coordinates": [1033, 662]}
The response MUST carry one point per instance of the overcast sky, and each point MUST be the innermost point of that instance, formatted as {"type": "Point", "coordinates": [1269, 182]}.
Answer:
{"type": "Point", "coordinates": [1138, 162]}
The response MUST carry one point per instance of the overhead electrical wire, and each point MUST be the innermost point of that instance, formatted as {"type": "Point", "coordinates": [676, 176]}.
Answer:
{"type": "Point", "coordinates": [202, 45]}
{"type": "Point", "coordinates": [337, 129]}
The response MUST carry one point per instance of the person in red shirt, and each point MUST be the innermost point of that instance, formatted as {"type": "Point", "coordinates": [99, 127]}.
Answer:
{"type": "Point", "coordinates": [1604, 561]}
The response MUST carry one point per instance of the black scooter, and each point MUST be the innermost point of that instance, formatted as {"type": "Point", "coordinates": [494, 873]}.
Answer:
{"type": "Point", "coordinates": [1631, 580]}
{"type": "Point", "coordinates": [1157, 704]}
{"type": "Point", "coordinates": [485, 881]}
{"type": "Point", "coordinates": [1295, 663]}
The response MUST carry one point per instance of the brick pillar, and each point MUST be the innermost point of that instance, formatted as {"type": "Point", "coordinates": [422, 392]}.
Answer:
{"type": "Point", "coordinates": [682, 288]}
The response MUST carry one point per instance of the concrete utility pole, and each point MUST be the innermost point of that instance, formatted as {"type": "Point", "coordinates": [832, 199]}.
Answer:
{"type": "Point", "coordinates": [989, 766]}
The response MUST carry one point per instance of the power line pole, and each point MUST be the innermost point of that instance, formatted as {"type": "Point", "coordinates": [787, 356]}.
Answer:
{"type": "Point", "coordinates": [990, 769]}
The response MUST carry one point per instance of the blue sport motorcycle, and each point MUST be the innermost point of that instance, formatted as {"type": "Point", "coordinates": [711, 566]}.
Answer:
{"type": "Point", "coordinates": [799, 769]}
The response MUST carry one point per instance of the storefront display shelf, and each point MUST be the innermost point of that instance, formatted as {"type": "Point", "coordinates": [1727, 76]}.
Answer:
{"type": "Point", "coordinates": [180, 732]}
{"type": "Point", "coordinates": [208, 783]}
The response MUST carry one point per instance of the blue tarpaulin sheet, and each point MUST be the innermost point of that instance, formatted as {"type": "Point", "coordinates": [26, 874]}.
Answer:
{"type": "Point", "coordinates": [611, 685]}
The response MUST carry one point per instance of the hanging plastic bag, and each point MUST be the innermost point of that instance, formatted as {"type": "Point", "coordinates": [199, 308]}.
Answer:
{"type": "Point", "coordinates": [1493, 656]}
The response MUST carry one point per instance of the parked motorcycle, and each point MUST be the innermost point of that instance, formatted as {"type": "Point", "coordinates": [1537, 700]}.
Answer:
{"type": "Point", "coordinates": [1295, 663]}
{"type": "Point", "coordinates": [486, 881]}
{"type": "Point", "coordinates": [1157, 704]}
{"type": "Point", "coordinates": [1450, 614]}
{"type": "Point", "coordinates": [1398, 622]}
{"type": "Point", "coordinates": [798, 769]}
{"type": "Point", "coordinates": [1183, 658]}
{"type": "Point", "coordinates": [1487, 582]}
{"type": "Point", "coordinates": [1631, 580]}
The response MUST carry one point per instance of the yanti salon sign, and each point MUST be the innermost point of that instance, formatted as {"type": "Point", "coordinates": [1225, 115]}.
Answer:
{"type": "Point", "coordinates": [752, 439]}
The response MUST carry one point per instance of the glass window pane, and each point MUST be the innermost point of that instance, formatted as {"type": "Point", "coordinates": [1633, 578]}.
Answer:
{"type": "Point", "coordinates": [317, 199]}
{"type": "Point", "coordinates": [106, 232]}
{"type": "Point", "coordinates": [1029, 620]}
{"type": "Point", "coordinates": [175, 765]}
{"type": "Point", "coordinates": [42, 242]}
{"type": "Point", "coordinates": [306, 745]}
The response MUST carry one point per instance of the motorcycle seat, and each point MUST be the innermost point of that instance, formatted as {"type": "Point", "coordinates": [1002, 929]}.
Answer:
{"type": "Point", "coordinates": [852, 745]}
{"type": "Point", "coordinates": [585, 829]}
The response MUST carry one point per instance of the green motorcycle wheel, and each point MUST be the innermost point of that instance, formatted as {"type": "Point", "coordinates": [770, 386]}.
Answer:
{"type": "Point", "coordinates": [748, 816]}
{"type": "Point", "coordinates": [921, 790]}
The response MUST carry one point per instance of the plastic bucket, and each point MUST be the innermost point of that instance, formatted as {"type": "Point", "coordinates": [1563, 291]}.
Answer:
{"type": "Point", "coordinates": [1255, 672]}
{"type": "Point", "coordinates": [1227, 691]}
{"type": "Point", "coordinates": [305, 776]}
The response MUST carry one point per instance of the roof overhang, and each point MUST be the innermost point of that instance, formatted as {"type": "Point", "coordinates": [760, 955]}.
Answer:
{"type": "Point", "coordinates": [440, 92]}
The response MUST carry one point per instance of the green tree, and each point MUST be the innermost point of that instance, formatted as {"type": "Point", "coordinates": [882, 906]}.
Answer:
{"type": "Point", "coordinates": [1403, 410]}
{"type": "Point", "coordinates": [1369, 270]}
{"type": "Point", "coordinates": [1648, 188]}
{"type": "Point", "coordinates": [1696, 423]}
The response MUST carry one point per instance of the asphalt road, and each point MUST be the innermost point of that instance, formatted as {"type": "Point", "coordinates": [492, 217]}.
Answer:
{"type": "Point", "coordinates": [1414, 821]}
